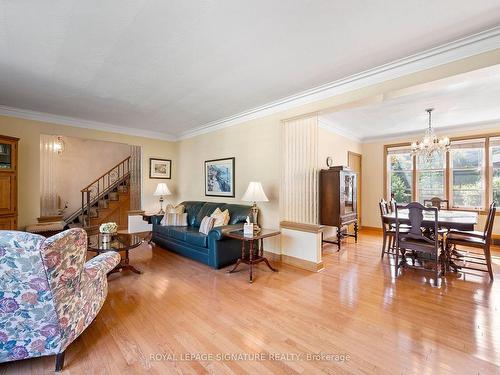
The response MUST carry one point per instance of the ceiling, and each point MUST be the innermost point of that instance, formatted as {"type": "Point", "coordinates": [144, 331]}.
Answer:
{"type": "Point", "coordinates": [463, 101]}
{"type": "Point", "coordinates": [173, 66]}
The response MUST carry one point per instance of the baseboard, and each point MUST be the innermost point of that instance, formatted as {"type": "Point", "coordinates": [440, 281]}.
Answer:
{"type": "Point", "coordinates": [374, 229]}
{"type": "Point", "coordinates": [301, 263]}
{"type": "Point", "coordinates": [272, 256]}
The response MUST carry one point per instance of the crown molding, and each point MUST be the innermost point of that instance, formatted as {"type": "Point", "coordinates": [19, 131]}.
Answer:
{"type": "Point", "coordinates": [492, 124]}
{"type": "Point", "coordinates": [471, 45]}
{"type": "Point", "coordinates": [80, 123]}
{"type": "Point", "coordinates": [333, 128]}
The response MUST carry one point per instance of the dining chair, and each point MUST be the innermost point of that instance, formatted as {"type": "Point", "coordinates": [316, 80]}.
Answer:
{"type": "Point", "coordinates": [477, 240]}
{"type": "Point", "coordinates": [388, 230]}
{"type": "Point", "coordinates": [438, 203]}
{"type": "Point", "coordinates": [415, 240]}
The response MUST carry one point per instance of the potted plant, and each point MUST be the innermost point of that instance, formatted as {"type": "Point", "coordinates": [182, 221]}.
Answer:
{"type": "Point", "coordinates": [107, 231]}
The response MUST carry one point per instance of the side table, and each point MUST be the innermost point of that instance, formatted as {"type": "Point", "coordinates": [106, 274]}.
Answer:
{"type": "Point", "coordinates": [255, 255]}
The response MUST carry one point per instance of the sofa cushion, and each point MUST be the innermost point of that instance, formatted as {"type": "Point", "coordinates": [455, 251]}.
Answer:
{"type": "Point", "coordinates": [238, 212]}
{"type": "Point", "coordinates": [197, 238]}
{"type": "Point", "coordinates": [179, 233]}
{"type": "Point", "coordinates": [162, 230]}
{"type": "Point", "coordinates": [192, 209]}
{"type": "Point", "coordinates": [206, 210]}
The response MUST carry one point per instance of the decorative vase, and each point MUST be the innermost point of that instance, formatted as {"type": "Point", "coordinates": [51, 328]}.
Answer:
{"type": "Point", "coordinates": [106, 237]}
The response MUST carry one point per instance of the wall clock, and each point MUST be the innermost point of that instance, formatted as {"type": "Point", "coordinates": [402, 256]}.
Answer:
{"type": "Point", "coordinates": [329, 161]}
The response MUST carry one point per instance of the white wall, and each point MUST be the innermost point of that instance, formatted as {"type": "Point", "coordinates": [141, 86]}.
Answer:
{"type": "Point", "coordinates": [90, 159]}
{"type": "Point", "coordinates": [29, 160]}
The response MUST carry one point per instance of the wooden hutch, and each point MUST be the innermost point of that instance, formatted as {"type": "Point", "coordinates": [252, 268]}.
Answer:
{"type": "Point", "coordinates": [337, 201]}
{"type": "Point", "coordinates": [8, 182]}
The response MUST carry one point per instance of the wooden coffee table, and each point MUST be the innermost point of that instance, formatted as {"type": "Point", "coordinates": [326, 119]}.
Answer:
{"type": "Point", "coordinates": [255, 255]}
{"type": "Point", "coordinates": [121, 243]}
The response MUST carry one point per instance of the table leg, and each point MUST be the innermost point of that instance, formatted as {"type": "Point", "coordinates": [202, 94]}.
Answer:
{"type": "Point", "coordinates": [262, 256]}
{"type": "Point", "coordinates": [238, 262]}
{"type": "Point", "coordinates": [251, 261]}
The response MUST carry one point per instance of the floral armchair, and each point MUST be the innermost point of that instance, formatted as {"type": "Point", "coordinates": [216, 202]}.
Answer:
{"type": "Point", "coordinates": [48, 294]}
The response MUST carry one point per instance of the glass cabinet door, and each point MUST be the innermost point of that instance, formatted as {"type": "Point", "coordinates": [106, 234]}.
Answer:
{"type": "Point", "coordinates": [349, 193]}
{"type": "Point", "coordinates": [6, 156]}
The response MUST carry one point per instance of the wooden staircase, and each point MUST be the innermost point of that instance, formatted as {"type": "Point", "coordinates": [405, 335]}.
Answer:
{"type": "Point", "coordinates": [105, 199]}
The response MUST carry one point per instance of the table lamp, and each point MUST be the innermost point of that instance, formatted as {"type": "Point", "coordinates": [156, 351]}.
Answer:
{"type": "Point", "coordinates": [255, 194]}
{"type": "Point", "coordinates": [161, 190]}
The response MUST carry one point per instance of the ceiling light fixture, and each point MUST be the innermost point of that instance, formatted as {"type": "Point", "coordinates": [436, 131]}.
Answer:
{"type": "Point", "coordinates": [430, 144]}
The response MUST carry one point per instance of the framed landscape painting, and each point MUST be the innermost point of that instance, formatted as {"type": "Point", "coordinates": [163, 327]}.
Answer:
{"type": "Point", "coordinates": [160, 168]}
{"type": "Point", "coordinates": [219, 177]}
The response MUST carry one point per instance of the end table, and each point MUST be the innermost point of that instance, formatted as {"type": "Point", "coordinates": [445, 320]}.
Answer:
{"type": "Point", "coordinates": [255, 255]}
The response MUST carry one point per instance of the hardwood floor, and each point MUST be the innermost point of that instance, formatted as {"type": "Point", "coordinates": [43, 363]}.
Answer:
{"type": "Point", "coordinates": [354, 307]}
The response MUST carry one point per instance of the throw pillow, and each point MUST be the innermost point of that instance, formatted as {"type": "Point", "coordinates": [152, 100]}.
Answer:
{"type": "Point", "coordinates": [207, 224]}
{"type": "Point", "coordinates": [179, 209]}
{"type": "Point", "coordinates": [175, 219]}
{"type": "Point", "coordinates": [221, 218]}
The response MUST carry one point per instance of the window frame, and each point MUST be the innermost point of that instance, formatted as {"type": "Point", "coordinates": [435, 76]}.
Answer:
{"type": "Point", "coordinates": [487, 171]}
{"type": "Point", "coordinates": [388, 177]}
{"type": "Point", "coordinates": [489, 167]}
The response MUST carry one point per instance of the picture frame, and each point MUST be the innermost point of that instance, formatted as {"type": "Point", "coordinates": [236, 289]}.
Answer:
{"type": "Point", "coordinates": [220, 177]}
{"type": "Point", "coordinates": [160, 168]}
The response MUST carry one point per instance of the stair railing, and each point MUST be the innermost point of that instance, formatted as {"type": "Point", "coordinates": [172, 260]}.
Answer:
{"type": "Point", "coordinates": [97, 189]}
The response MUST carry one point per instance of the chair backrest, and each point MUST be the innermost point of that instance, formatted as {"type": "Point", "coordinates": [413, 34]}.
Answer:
{"type": "Point", "coordinates": [26, 299]}
{"type": "Point", "coordinates": [416, 217]}
{"type": "Point", "coordinates": [438, 203]}
{"type": "Point", "coordinates": [488, 227]}
{"type": "Point", "coordinates": [382, 205]}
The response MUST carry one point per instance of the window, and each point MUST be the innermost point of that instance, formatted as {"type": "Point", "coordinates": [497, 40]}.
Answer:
{"type": "Point", "coordinates": [495, 169]}
{"type": "Point", "coordinates": [467, 174]}
{"type": "Point", "coordinates": [430, 177]}
{"type": "Point", "coordinates": [400, 174]}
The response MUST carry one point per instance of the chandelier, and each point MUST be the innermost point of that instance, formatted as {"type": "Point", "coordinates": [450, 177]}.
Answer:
{"type": "Point", "coordinates": [430, 144]}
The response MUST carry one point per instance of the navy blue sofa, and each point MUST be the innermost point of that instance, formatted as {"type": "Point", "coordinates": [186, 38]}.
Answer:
{"type": "Point", "coordinates": [213, 249]}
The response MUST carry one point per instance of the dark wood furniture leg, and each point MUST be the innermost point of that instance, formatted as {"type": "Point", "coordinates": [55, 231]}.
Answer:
{"type": "Point", "coordinates": [59, 361]}
{"type": "Point", "coordinates": [356, 231]}
{"type": "Point", "coordinates": [251, 261]}
{"type": "Point", "coordinates": [125, 265]}
{"type": "Point", "coordinates": [339, 238]}
{"type": "Point", "coordinates": [238, 262]}
{"type": "Point", "coordinates": [265, 259]}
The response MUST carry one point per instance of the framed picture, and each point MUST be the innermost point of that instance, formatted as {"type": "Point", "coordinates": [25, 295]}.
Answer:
{"type": "Point", "coordinates": [160, 168]}
{"type": "Point", "coordinates": [219, 177]}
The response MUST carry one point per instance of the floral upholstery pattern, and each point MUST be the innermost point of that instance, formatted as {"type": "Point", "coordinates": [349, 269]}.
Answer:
{"type": "Point", "coordinates": [48, 294]}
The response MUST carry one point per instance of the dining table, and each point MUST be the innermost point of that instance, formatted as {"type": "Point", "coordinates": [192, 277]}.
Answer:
{"type": "Point", "coordinates": [447, 219]}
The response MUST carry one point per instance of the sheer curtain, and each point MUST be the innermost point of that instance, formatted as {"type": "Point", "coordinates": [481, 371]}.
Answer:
{"type": "Point", "coordinates": [299, 179]}
{"type": "Point", "coordinates": [135, 177]}
{"type": "Point", "coordinates": [48, 165]}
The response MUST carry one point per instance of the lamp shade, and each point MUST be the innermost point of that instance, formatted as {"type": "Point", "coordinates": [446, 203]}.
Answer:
{"type": "Point", "coordinates": [254, 193]}
{"type": "Point", "coordinates": [162, 189]}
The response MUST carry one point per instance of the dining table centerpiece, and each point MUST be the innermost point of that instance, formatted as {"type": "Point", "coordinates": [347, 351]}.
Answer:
{"type": "Point", "coordinates": [107, 231]}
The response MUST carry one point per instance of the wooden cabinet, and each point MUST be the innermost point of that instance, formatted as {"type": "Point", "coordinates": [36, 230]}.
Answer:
{"type": "Point", "coordinates": [338, 200]}
{"type": "Point", "coordinates": [8, 182]}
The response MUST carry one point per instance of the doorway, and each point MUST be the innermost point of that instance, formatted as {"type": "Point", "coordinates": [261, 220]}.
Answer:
{"type": "Point", "coordinates": [354, 162]}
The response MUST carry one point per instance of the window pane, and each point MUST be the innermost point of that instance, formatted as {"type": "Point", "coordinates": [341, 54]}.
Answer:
{"type": "Point", "coordinates": [495, 183]}
{"type": "Point", "coordinates": [467, 158]}
{"type": "Point", "coordinates": [401, 162]}
{"type": "Point", "coordinates": [436, 162]}
{"type": "Point", "coordinates": [467, 175]}
{"type": "Point", "coordinates": [430, 184]}
{"type": "Point", "coordinates": [401, 186]}
{"type": "Point", "coordinates": [467, 188]}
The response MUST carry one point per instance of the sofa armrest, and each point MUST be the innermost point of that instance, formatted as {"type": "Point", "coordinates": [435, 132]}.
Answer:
{"type": "Point", "coordinates": [218, 232]}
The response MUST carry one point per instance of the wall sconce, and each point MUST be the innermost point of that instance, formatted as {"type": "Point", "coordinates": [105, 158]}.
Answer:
{"type": "Point", "coordinates": [59, 145]}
